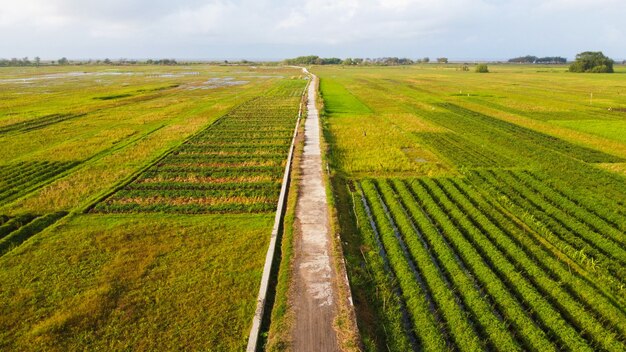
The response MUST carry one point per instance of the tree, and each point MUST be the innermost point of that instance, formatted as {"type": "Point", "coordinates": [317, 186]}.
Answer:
{"type": "Point", "coordinates": [37, 60]}
{"type": "Point", "coordinates": [63, 61]}
{"type": "Point", "coordinates": [592, 61]}
{"type": "Point", "coordinates": [442, 60]}
{"type": "Point", "coordinates": [331, 61]}
{"type": "Point", "coordinates": [528, 59]}
{"type": "Point", "coordinates": [107, 61]}
{"type": "Point", "coordinates": [551, 60]}
{"type": "Point", "coordinates": [482, 68]}
{"type": "Point", "coordinates": [426, 60]}
{"type": "Point", "coordinates": [303, 60]}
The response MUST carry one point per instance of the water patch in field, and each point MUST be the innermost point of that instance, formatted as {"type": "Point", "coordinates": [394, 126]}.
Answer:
{"type": "Point", "coordinates": [176, 75]}
{"type": "Point", "coordinates": [217, 82]}
{"type": "Point", "coordinates": [54, 76]}
{"type": "Point", "coordinates": [256, 75]}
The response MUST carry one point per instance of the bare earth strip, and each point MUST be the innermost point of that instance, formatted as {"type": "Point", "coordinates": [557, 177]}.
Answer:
{"type": "Point", "coordinates": [314, 300]}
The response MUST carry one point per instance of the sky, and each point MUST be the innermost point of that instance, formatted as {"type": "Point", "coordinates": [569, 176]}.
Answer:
{"type": "Point", "coordinates": [272, 29]}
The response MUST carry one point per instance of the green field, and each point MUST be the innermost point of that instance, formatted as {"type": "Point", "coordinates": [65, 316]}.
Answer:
{"type": "Point", "coordinates": [477, 211]}
{"type": "Point", "coordinates": [481, 211]}
{"type": "Point", "coordinates": [133, 198]}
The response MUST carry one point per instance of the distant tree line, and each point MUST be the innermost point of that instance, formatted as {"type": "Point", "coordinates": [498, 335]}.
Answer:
{"type": "Point", "coordinates": [20, 62]}
{"type": "Point", "coordinates": [313, 60]}
{"type": "Point", "coordinates": [125, 62]}
{"type": "Point", "coordinates": [388, 61]}
{"type": "Point", "coordinates": [381, 61]}
{"type": "Point", "coordinates": [530, 59]}
{"type": "Point", "coordinates": [15, 62]}
{"type": "Point", "coordinates": [36, 61]}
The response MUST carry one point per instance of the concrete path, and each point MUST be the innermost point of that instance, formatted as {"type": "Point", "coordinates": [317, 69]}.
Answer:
{"type": "Point", "coordinates": [315, 299]}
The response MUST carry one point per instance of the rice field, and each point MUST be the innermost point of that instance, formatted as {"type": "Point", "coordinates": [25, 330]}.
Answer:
{"type": "Point", "coordinates": [484, 215]}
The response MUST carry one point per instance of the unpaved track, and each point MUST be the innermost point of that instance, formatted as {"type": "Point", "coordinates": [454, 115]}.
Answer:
{"type": "Point", "coordinates": [314, 300]}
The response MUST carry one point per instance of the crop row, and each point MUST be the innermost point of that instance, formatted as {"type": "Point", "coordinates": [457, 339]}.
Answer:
{"type": "Point", "coordinates": [470, 275]}
{"type": "Point", "coordinates": [185, 157]}
{"type": "Point", "coordinates": [269, 192]}
{"type": "Point", "coordinates": [461, 151]}
{"type": "Point", "coordinates": [556, 159]}
{"type": "Point", "coordinates": [570, 228]}
{"type": "Point", "coordinates": [19, 178]}
{"type": "Point", "coordinates": [583, 199]}
{"type": "Point", "coordinates": [234, 165]}
{"type": "Point", "coordinates": [166, 207]}
{"type": "Point", "coordinates": [38, 122]}
{"type": "Point", "coordinates": [382, 286]}
{"type": "Point", "coordinates": [203, 186]}
{"type": "Point", "coordinates": [534, 137]}
{"type": "Point", "coordinates": [11, 224]}
{"type": "Point", "coordinates": [17, 230]}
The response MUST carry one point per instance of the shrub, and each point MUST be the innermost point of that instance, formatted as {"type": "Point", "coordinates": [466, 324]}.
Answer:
{"type": "Point", "coordinates": [482, 68]}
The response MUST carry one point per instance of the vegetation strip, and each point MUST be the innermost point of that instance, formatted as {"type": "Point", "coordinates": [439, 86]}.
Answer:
{"type": "Point", "coordinates": [388, 273]}
{"type": "Point", "coordinates": [21, 234]}
{"type": "Point", "coordinates": [255, 330]}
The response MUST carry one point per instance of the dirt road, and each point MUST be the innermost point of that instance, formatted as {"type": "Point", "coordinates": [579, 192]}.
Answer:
{"type": "Point", "coordinates": [315, 300]}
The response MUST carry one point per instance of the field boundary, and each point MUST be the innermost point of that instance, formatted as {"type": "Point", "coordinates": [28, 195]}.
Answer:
{"type": "Point", "coordinates": [257, 320]}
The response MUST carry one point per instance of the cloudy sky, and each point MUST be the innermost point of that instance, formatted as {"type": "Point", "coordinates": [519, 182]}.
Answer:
{"type": "Point", "coordinates": [274, 29]}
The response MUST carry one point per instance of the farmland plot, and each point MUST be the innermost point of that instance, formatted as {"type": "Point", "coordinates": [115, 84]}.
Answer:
{"type": "Point", "coordinates": [103, 174]}
{"type": "Point", "coordinates": [508, 235]}
{"type": "Point", "coordinates": [488, 280]}
{"type": "Point", "coordinates": [235, 165]}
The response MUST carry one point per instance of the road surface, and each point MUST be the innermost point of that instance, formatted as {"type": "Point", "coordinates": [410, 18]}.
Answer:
{"type": "Point", "coordinates": [315, 300]}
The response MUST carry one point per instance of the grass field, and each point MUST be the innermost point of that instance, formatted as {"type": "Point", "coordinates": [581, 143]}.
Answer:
{"type": "Point", "coordinates": [116, 282]}
{"type": "Point", "coordinates": [477, 211]}
{"type": "Point", "coordinates": [481, 211]}
{"type": "Point", "coordinates": [105, 172]}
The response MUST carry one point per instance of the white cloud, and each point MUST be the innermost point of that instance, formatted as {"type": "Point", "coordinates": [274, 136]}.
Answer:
{"type": "Point", "coordinates": [273, 28]}
{"type": "Point", "coordinates": [294, 20]}
{"type": "Point", "coordinates": [16, 14]}
{"type": "Point", "coordinates": [211, 18]}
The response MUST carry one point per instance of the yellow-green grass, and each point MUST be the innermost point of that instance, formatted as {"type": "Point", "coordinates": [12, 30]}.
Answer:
{"type": "Point", "coordinates": [615, 130]}
{"type": "Point", "coordinates": [123, 282]}
{"type": "Point", "coordinates": [149, 282]}
{"type": "Point", "coordinates": [534, 146]}
{"type": "Point", "coordinates": [114, 137]}
{"type": "Point", "coordinates": [398, 97]}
